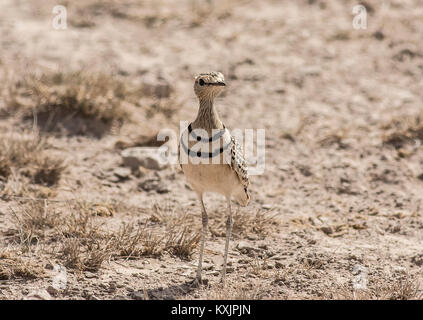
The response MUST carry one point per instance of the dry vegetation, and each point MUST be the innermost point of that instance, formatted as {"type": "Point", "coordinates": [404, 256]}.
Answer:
{"type": "Point", "coordinates": [403, 287]}
{"type": "Point", "coordinates": [12, 266]}
{"type": "Point", "coordinates": [25, 163]}
{"type": "Point", "coordinates": [72, 103]}
{"type": "Point", "coordinates": [79, 237]}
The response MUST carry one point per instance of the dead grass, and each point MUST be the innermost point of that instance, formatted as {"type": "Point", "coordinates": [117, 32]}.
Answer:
{"type": "Point", "coordinates": [25, 159]}
{"type": "Point", "coordinates": [86, 254]}
{"type": "Point", "coordinates": [260, 224]}
{"type": "Point", "coordinates": [74, 103]}
{"type": "Point", "coordinates": [402, 288]}
{"type": "Point", "coordinates": [235, 291]}
{"type": "Point", "coordinates": [181, 243]}
{"type": "Point", "coordinates": [133, 242]}
{"type": "Point", "coordinates": [14, 267]}
{"type": "Point", "coordinates": [31, 222]}
{"type": "Point", "coordinates": [80, 237]}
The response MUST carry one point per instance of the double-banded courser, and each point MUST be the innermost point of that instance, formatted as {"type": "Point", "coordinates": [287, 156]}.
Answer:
{"type": "Point", "coordinates": [211, 159]}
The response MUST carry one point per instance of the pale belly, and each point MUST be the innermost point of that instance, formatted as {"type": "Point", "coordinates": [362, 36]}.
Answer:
{"type": "Point", "coordinates": [211, 178]}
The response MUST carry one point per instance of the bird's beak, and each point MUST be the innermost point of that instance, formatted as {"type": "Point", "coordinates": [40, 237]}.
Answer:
{"type": "Point", "coordinates": [220, 84]}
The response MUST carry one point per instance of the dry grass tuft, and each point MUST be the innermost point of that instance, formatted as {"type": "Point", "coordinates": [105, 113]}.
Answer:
{"type": "Point", "coordinates": [31, 221]}
{"type": "Point", "coordinates": [14, 267]}
{"type": "Point", "coordinates": [235, 291]}
{"type": "Point", "coordinates": [181, 243]}
{"type": "Point", "coordinates": [26, 159]}
{"type": "Point", "coordinates": [86, 254]}
{"type": "Point", "coordinates": [84, 241]}
{"type": "Point", "coordinates": [72, 103]}
{"type": "Point", "coordinates": [131, 242]}
{"type": "Point", "coordinates": [260, 224]}
{"type": "Point", "coordinates": [402, 288]}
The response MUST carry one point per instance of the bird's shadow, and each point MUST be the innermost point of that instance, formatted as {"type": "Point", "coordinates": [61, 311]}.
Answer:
{"type": "Point", "coordinates": [171, 292]}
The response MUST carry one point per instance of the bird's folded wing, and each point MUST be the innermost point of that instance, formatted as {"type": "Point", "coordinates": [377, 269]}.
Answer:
{"type": "Point", "coordinates": [238, 162]}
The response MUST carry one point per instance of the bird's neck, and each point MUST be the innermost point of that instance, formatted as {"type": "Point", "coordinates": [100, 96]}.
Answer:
{"type": "Point", "coordinates": [207, 117]}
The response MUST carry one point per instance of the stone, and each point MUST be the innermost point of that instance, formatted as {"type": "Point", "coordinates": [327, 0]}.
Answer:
{"type": "Point", "coordinates": [145, 157]}
{"type": "Point", "coordinates": [327, 230]}
{"type": "Point", "coordinates": [122, 173]}
{"type": "Point", "coordinates": [38, 295]}
{"type": "Point", "coordinates": [52, 290]}
{"type": "Point", "coordinates": [244, 247]}
{"type": "Point", "coordinates": [153, 184]}
{"type": "Point", "coordinates": [138, 295]}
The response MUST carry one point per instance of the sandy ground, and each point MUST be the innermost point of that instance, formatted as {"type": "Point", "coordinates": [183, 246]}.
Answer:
{"type": "Point", "coordinates": [339, 202]}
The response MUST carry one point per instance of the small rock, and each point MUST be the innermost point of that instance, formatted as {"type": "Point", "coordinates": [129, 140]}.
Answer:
{"type": "Point", "coordinates": [263, 246]}
{"type": "Point", "coordinates": [327, 230]}
{"type": "Point", "coordinates": [305, 170]}
{"type": "Point", "coordinates": [417, 260]}
{"type": "Point", "coordinates": [122, 173]}
{"type": "Point", "coordinates": [113, 179]}
{"type": "Point", "coordinates": [244, 247]}
{"type": "Point", "coordinates": [379, 35]}
{"type": "Point", "coordinates": [112, 286]}
{"type": "Point", "coordinates": [49, 266]}
{"type": "Point", "coordinates": [138, 295]}
{"type": "Point", "coordinates": [267, 206]}
{"type": "Point", "coordinates": [38, 295]}
{"type": "Point", "coordinates": [229, 269]}
{"type": "Point", "coordinates": [90, 275]}
{"type": "Point", "coordinates": [153, 184]}
{"type": "Point", "coordinates": [52, 290]}
{"type": "Point", "coordinates": [208, 266]}
{"type": "Point", "coordinates": [145, 157]}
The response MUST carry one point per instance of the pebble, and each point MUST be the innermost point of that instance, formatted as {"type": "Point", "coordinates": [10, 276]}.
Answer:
{"type": "Point", "coordinates": [122, 173]}
{"type": "Point", "coordinates": [138, 295]}
{"type": "Point", "coordinates": [38, 295]}
{"type": "Point", "coordinates": [146, 157]}
{"type": "Point", "coordinates": [52, 290]}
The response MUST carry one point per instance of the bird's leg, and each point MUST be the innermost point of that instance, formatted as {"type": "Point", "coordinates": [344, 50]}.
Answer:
{"type": "Point", "coordinates": [229, 224]}
{"type": "Point", "coordinates": [203, 238]}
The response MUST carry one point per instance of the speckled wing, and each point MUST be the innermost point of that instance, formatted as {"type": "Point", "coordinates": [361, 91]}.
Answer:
{"type": "Point", "coordinates": [238, 163]}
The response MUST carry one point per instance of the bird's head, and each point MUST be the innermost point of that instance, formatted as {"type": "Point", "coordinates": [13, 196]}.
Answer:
{"type": "Point", "coordinates": [209, 85]}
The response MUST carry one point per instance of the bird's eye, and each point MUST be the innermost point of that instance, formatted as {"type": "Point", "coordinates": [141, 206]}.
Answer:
{"type": "Point", "coordinates": [201, 82]}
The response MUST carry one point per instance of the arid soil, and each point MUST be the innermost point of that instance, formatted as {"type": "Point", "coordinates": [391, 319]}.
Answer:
{"type": "Point", "coordinates": [337, 213]}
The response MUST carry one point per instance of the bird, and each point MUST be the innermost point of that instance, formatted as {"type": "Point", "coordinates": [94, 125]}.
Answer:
{"type": "Point", "coordinates": [212, 159]}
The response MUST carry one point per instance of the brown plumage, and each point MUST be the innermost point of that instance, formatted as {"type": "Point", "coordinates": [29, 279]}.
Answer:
{"type": "Point", "coordinates": [215, 165]}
